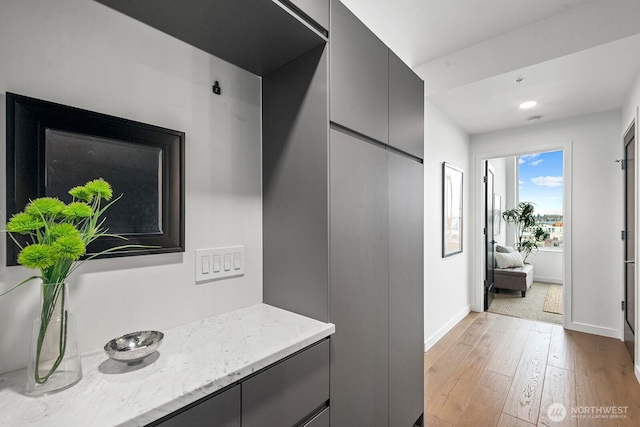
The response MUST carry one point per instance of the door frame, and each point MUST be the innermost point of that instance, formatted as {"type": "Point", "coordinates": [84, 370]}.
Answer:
{"type": "Point", "coordinates": [634, 123]}
{"type": "Point", "coordinates": [479, 218]}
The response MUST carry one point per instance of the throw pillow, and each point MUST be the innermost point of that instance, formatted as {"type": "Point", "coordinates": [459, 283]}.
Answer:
{"type": "Point", "coordinates": [505, 249]}
{"type": "Point", "coordinates": [509, 260]}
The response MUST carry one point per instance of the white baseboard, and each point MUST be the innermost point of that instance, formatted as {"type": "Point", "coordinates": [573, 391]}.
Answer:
{"type": "Point", "coordinates": [595, 330]}
{"type": "Point", "coordinates": [429, 342]}
{"type": "Point", "coordinates": [547, 280]}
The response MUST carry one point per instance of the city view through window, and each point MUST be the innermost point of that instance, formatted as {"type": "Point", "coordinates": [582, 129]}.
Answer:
{"type": "Point", "coordinates": [541, 182]}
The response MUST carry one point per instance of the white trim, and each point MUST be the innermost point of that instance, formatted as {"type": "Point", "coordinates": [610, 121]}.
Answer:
{"type": "Point", "coordinates": [636, 370]}
{"type": "Point", "coordinates": [553, 280]}
{"type": "Point", "coordinates": [477, 291]}
{"type": "Point", "coordinates": [429, 342]}
{"type": "Point", "coordinates": [591, 329]}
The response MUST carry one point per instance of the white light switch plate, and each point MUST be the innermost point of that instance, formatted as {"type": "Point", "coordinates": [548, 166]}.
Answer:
{"type": "Point", "coordinates": [219, 263]}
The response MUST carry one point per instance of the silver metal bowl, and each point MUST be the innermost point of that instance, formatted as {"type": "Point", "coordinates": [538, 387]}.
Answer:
{"type": "Point", "coordinates": [134, 347]}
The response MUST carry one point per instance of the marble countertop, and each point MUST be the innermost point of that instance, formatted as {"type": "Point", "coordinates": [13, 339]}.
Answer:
{"type": "Point", "coordinates": [193, 361]}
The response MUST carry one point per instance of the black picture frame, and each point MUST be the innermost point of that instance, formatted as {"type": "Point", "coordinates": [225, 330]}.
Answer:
{"type": "Point", "coordinates": [31, 121]}
{"type": "Point", "coordinates": [452, 209]}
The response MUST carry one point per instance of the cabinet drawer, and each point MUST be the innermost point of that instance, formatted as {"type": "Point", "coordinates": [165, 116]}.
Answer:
{"type": "Point", "coordinates": [222, 410]}
{"type": "Point", "coordinates": [320, 420]}
{"type": "Point", "coordinates": [289, 391]}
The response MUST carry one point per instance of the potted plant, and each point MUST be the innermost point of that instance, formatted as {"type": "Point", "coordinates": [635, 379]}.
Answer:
{"type": "Point", "coordinates": [58, 235]}
{"type": "Point", "coordinates": [528, 232]}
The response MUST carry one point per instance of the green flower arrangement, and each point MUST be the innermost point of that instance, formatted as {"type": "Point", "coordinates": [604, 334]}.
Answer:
{"type": "Point", "coordinates": [59, 234]}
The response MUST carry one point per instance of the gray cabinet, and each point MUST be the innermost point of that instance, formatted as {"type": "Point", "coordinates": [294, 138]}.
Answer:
{"type": "Point", "coordinates": [222, 410]}
{"type": "Point", "coordinates": [406, 295]}
{"type": "Point", "coordinates": [294, 391]}
{"type": "Point", "coordinates": [289, 392]}
{"type": "Point", "coordinates": [359, 76]}
{"type": "Point", "coordinates": [359, 282]}
{"type": "Point", "coordinates": [406, 108]}
{"type": "Point", "coordinates": [318, 10]}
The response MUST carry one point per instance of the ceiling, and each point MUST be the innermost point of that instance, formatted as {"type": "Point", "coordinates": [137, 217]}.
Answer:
{"type": "Point", "coordinates": [576, 57]}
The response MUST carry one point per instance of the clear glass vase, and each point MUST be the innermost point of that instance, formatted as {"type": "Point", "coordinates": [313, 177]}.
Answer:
{"type": "Point", "coordinates": [54, 361]}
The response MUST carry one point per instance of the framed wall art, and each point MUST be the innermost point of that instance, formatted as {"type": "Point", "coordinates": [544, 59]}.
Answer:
{"type": "Point", "coordinates": [452, 225]}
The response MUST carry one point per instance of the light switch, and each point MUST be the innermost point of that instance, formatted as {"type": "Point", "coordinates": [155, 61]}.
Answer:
{"type": "Point", "coordinates": [219, 263]}
{"type": "Point", "coordinates": [206, 264]}
{"type": "Point", "coordinates": [216, 263]}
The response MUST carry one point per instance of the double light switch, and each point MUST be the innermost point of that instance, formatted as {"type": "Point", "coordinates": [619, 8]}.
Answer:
{"type": "Point", "coordinates": [212, 264]}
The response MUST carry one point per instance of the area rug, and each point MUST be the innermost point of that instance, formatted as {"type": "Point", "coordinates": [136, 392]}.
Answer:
{"type": "Point", "coordinates": [511, 303]}
{"type": "Point", "coordinates": [553, 302]}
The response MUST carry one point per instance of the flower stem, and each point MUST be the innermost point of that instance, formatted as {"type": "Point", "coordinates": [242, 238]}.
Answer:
{"type": "Point", "coordinates": [50, 295]}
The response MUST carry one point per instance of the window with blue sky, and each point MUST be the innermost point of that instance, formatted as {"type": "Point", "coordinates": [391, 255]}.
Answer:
{"type": "Point", "coordinates": [541, 182]}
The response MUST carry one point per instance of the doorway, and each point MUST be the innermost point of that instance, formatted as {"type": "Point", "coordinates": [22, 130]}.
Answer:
{"type": "Point", "coordinates": [629, 240]}
{"type": "Point", "coordinates": [481, 214]}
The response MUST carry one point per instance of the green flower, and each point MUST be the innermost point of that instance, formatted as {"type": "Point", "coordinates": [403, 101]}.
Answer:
{"type": "Point", "coordinates": [45, 206]}
{"type": "Point", "coordinates": [81, 193]}
{"type": "Point", "coordinates": [24, 223]}
{"type": "Point", "coordinates": [99, 188]}
{"type": "Point", "coordinates": [69, 246]}
{"type": "Point", "coordinates": [77, 210]}
{"type": "Point", "coordinates": [37, 256]}
{"type": "Point", "coordinates": [61, 230]}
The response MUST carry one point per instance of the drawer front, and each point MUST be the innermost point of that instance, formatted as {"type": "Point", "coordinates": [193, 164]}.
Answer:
{"type": "Point", "coordinates": [289, 391]}
{"type": "Point", "coordinates": [222, 410]}
{"type": "Point", "coordinates": [320, 420]}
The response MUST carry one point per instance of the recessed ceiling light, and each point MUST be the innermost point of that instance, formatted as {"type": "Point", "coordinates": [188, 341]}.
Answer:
{"type": "Point", "coordinates": [528, 104]}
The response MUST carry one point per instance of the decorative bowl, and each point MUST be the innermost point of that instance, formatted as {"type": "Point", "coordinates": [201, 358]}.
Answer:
{"type": "Point", "coordinates": [134, 347]}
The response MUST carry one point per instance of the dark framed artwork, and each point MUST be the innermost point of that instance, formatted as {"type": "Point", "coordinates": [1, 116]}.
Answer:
{"type": "Point", "coordinates": [52, 148]}
{"type": "Point", "coordinates": [497, 214]}
{"type": "Point", "coordinates": [452, 226]}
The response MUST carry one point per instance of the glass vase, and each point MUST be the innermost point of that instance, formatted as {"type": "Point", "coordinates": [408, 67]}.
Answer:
{"type": "Point", "coordinates": [54, 361]}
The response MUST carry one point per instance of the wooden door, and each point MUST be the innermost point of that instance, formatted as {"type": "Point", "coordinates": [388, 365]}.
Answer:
{"type": "Point", "coordinates": [630, 241]}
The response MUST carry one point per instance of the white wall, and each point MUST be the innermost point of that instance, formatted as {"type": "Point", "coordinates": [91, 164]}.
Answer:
{"type": "Point", "coordinates": [547, 265]}
{"type": "Point", "coordinates": [596, 203]}
{"type": "Point", "coordinates": [80, 53]}
{"type": "Point", "coordinates": [446, 293]}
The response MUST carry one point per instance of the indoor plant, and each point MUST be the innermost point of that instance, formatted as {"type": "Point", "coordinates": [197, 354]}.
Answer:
{"type": "Point", "coordinates": [57, 236]}
{"type": "Point", "coordinates": [528, 232]}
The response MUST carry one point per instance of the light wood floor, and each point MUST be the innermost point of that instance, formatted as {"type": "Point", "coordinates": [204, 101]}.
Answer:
{"type": "Point", "coordinates": [494, 370]}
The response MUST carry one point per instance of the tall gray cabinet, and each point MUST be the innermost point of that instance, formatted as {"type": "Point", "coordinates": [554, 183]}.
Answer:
{"type": "Point", "coordinates": [343, 215]}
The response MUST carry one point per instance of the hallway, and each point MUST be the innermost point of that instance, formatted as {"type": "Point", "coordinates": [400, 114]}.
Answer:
{"type": "Point", "coordinates": [494, 370]}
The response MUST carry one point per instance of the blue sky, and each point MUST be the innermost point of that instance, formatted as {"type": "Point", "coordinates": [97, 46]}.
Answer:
{"type": "Point", "coordinates": [541, 181]}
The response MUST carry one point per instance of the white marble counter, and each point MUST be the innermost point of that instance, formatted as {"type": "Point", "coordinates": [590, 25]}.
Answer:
{"type": "Point", "coordinates": [193, 361]}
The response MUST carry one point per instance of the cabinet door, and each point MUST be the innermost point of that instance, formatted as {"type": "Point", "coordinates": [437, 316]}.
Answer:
{"type": "Point", "coordinates": [359, 282]}
{"type": "Point", "coordinates": [288, 392]}
{"type": "Point", "coordinates": [406, 108]}
{"type": "Point", "coordinates": [406, 295]}
{"type": "Point", "coordinates": [222, 410]}
{"type": "Point", "coordinates": [359, 64]}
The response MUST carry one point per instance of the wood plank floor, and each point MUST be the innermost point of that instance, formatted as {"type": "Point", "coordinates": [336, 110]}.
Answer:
{"type": "Point", "coordinates": [494, 370]}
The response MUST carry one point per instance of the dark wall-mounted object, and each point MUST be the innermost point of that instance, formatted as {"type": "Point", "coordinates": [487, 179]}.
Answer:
{"type": "Point", "coordinates": [257, 35]}
{"type": "Point", "coordinates": [52, 148]}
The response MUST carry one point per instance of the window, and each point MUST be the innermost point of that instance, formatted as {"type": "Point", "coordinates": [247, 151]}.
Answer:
{"type": "Point", "coordinates": [541, 183]}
